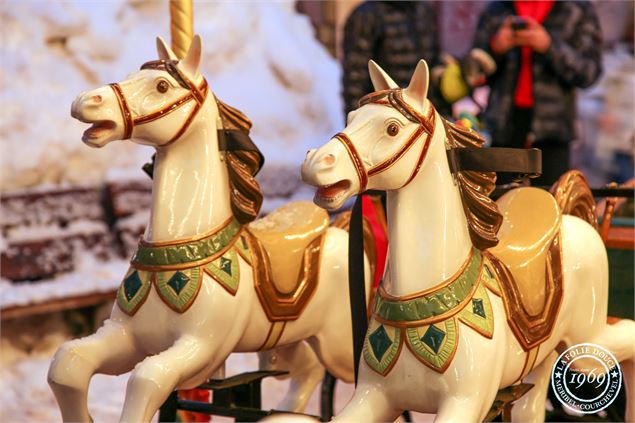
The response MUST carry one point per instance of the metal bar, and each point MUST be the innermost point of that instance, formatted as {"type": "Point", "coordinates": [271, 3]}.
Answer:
{"type": "Point", "coordinates": [241, 379]}
{"type": "Point", "coordinates": [242, 414]}
{"type": "Point", "coordinates": [357, 282]}
{"type": "Point", "coordinates": [167, 412]}
{"type": "Point", "coordinates": [239, 413]}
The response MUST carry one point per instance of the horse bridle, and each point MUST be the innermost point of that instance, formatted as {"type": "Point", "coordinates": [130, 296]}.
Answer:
{"type": "Point", "coordinates": [196, 93]}
{"type": "Point", "coordinates": [393, 98]}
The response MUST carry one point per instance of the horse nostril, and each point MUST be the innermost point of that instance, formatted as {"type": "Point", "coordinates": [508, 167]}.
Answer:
{"type": "Point", "coordinates": [328, 159]}
{"type": "Point", "coordinates": [96, 99]}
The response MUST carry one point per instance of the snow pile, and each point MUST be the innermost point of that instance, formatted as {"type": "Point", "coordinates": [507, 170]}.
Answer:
{"type": "Point", "coordinates": [90, 276]}
{"type": "Point", "coordinates": [605, 118]}
{"type": "Point", "coordinates": [259, 57]}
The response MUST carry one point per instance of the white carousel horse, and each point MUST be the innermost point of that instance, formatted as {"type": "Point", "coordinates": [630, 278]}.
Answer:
{"type": "Point", "coordinates": [482, 294]}
{"type": "Point", "coordinates": [201, 285]}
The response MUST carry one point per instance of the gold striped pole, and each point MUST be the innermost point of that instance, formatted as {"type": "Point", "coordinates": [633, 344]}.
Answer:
{"type": "Point", "coordinates": [181, 26]}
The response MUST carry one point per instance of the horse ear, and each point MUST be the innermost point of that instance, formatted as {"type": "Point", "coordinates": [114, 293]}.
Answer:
{"type": "Point", "coordinates": [380, 79]}
{"type": "Point", "coordinates": [165, 52]}
{"type": "Point", "coordinates": [417, 90]}
{"type": "Point", "coordinates": [192, 59]}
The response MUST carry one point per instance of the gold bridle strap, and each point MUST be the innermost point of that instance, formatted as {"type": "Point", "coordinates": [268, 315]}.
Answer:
{"type": "Point", "coordinates": [355, 158]}
{"type": "Point", "coordinates": [392, 98]}
{"type": "Point", "coordinates": [199, 94]}
{"type": "Point", "coordinates": [128, 122]}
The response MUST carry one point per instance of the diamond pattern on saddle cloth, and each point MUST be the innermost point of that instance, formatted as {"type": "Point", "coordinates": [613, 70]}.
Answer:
{"type": "Point", "coordinates": [477, 307]}
{"type": "Point", "coordinates": [433, 338]}
{"type": "Point", "coordinates": [380, 342]}
{"type": "Point", "coordinates": [226, 265]}
{"type": "Point", "coordinates": [178, 281]}
{"type": "Point", "coordinates": [131, 285]}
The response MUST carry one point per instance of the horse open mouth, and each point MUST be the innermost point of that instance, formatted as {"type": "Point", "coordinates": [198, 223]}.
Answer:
{"type": "Point", "coordinates": [332, 192]}
{"type": "Point", "coordinates": [98, 130]}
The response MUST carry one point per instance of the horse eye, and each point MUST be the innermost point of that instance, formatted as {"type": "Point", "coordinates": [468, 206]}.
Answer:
{"type": "Point", "coordinates": [393, 129]}
{"type": "Point", "coordinates": [162, 86]}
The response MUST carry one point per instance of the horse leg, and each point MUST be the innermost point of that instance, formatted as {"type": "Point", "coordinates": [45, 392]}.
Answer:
{"type": "Point", "coordinates": [156, 377]}
{"type": "Point", "coordinates": [618, 339]}
{"type": "Point", "coordinates": [305, 370]}
{"type": "Point", "coordinates": [369, 404]}
{"type": "Point", "coordinates": [110, 351]}
{"type": "Point", "coordinates": [335, 356]}
{"type": "Point", "coordinates": [531, 407]}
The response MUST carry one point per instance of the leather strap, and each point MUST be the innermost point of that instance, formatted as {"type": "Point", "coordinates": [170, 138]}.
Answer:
{"type": "Point", "coordinates": [128, 121]}
{"type": "Point", "coordinates": [356, 282]}
{"type": "Point", "coordinates": [355, 159]}
{"type": "Point", "coordinates": [196, 93]}
{"type": "Point", "coordinates": [526, 162]}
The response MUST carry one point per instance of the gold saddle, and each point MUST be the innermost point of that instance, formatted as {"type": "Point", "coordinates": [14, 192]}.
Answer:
{"type": "Point", "coordinates": [528, 263]}
{"type": "Point", "coordinates": [286, 247]}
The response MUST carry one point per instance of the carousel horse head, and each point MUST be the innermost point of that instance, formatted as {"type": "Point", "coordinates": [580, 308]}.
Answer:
{"type": "Point", "coordinates": [383, 145]}
{"type": "Point", "coordinates": [153, 106]}
{"type": "Point", "coordinates": [166, 100]}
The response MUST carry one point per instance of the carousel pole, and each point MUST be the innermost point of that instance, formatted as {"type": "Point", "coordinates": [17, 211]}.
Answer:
{"type": "Point", "coordinates": [181, 26]}
{"type": "Point", "coordinates": [181, 34]}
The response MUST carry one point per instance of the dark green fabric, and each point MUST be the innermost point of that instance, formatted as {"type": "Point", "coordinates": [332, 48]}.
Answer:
{"type": "Point", "coordinates": [189, 252]}
{"type": "Point", "coordinates": [433, 304]}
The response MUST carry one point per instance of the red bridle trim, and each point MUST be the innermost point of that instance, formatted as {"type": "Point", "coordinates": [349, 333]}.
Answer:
{"type": "Point", "coordinates": [424, 150]}
{"type": "Point", "coordinates": [399, 154]}
{"type": "Point", "coordinates": [425, 124]}
{"type": "Point", "coordinates": [128, 123]}
{"type": "Point", "coordinates": [358, 164]}
{"type": "Point", "coordinates": [166, 110]}
{"type": "Point", "coordinates": [199, 94]}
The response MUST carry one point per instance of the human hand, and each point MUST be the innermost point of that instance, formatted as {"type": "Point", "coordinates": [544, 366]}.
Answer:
{"type": "Point", "coordinates": [504, 38]}
{"type": "Point", "coordinates": [534, 36]}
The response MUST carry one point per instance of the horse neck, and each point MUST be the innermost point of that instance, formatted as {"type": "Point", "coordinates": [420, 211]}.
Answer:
{"type": "Point", "coordinates": [190, 190]}
{"type": "Point", "coordinates": [427, 228]}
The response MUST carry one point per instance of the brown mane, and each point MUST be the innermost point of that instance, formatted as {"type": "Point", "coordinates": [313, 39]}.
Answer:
{"type": "Point", "coordinates": [481, 211]}
{"type": "Point", "coordinates": [242, 167]}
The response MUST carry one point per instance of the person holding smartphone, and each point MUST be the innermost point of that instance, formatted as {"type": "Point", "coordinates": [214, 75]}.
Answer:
{"type": "Point", "coordinates": [544, 50]}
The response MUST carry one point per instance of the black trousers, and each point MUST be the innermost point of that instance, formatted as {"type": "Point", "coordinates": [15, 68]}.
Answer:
{"type": "Point", "coordinates": [555, 154]}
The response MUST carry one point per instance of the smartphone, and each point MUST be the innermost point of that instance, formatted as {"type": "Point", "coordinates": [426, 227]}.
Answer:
{"type": "Point", "coordinates": [518, 23]}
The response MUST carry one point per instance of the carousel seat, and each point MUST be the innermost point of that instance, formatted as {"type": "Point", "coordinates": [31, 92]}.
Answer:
{"type": "Point", "coordinates": [531, 221]}
{"type": "Point", "coordinates": [285, 234]}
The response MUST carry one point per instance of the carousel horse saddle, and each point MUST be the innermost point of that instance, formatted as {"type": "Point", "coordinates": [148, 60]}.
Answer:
{"type": "Point", "coordinates": [527, 259]}
{"type": "Point", "coordinates": [289, 240]}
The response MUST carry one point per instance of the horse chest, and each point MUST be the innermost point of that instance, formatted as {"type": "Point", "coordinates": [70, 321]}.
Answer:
{"type": "Point", "coordinates": [429, 324]}
{"type": "Point", "coordinates": [175, 271]}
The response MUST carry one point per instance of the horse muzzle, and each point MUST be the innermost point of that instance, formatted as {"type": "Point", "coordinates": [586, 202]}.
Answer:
{"type": "Point", "coordinates": [98, 108]}
{"type": "Point", "coordinates": [332, 175]}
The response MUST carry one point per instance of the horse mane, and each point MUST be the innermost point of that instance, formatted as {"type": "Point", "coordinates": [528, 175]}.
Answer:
{"type": "Point", "coordinates": [242, 167]}
{"type": "Point", "coordinates": [483, 216]}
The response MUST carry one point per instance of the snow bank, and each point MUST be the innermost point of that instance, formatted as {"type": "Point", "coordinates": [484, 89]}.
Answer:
{"type": "Point", "coordinates": [91, 276]}
{"type": "Point", "coordinates": [260, 57]}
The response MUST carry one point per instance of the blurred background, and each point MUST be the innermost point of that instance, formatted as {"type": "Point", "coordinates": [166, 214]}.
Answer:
{"type": "Point", "coordinates": [72, 215]}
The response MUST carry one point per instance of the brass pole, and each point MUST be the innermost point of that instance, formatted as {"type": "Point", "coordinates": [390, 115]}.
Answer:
{"type": "Point", "coordinates": [181, 26]}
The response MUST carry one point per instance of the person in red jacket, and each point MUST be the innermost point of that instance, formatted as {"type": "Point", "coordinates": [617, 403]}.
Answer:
{"type": "Point", "coordinates": [543, 50]}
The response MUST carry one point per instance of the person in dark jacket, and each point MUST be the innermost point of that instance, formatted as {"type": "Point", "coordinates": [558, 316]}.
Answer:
{"type": "Point", "coordinates": [395, 34]}
{"type": "Point", "coordinates": [544, 50]}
